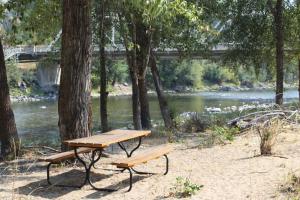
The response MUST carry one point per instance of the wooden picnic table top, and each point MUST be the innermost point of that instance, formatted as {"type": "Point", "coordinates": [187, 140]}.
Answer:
{"type": "Point", "coordinates": [105, 139]}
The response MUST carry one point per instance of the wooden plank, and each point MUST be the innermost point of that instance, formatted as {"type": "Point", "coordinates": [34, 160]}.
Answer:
{"type": "Point", "coordinates": [145, 156]}
{"type": "Point", "coordinates": [64, 155]}
{"type": "Point", "coordinates": [105, 139]}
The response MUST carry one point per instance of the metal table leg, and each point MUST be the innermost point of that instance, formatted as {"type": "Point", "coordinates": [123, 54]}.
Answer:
{"type": "Point", "coordinates": [94, 159]}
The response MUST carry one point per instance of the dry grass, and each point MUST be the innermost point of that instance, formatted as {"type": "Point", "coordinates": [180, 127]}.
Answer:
{"type": "Point", "coordinates": [268, 132]}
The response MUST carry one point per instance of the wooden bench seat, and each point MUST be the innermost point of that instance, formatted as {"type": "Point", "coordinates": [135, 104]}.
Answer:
{"type": "Point", "coordinates": [147, 155]}
{"type": "Point", "coordinates": [59, 157]}
{"type": "Point", "coordinates": [143, 157]}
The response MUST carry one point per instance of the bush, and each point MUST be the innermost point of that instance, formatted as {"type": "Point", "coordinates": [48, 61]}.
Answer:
{"type": "Point", "coordinates": [184, 188]}
{"type": "Point", "coordinates": [223, 133]}
{"type": "Point", "coordinates": [13, 74]}
{"type": "Point", "coordinates": [192, 122]}
{"type": "Point", "coordinates": [214, 74]}
{"type": "Point", "coordinates": [268, 133]}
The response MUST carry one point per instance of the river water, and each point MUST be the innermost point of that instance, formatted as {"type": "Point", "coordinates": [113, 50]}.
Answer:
{"type": "Point", "coordinates": [37, 121]}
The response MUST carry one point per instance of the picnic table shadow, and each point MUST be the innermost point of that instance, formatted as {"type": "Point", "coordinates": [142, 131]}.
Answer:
{"type": "Point", "coordinates": [121, 186]}
{"type": "Point", "coordinates": [42, 189]}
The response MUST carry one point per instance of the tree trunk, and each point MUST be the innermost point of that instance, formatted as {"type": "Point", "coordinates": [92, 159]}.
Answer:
{"type": "Point", "coordinates": [145, 112]}
{"type": "Point", "coordinates": [103, 85]}
{"type": "Point", "coordinates": [136, 106]}
{"type": "Point", "coordinates": [8, 131]}
{"type": "Point", "coordinates": [143, 40]}
{"type": "Point", "coordinates": [299, 78]}
{"type": "Point", "coordinates": [75, 84]}
{"type": "Point", "coordinates": [278, 19]}
{"type": "Point", "coordinates": [163, 104]}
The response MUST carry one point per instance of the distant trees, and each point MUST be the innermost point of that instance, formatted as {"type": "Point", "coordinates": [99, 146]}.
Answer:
{"type": "Point", "coordinates": [74, 105]}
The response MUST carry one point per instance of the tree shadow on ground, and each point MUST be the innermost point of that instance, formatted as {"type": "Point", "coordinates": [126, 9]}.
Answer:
{"type": "Point", "coordinates": [118, 186]}
{"type": "Point", "coordinates": [42, 189]}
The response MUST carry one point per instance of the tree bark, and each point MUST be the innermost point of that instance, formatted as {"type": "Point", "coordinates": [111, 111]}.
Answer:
{"type": "Point", "coordinates": [143, 41]}
{"type": "Point", "coordinates": [131, 62]}
{"type": "Point", "coordinates": [136, 106]}
{"type": "Point", "coordinates": [278, 19]}
{"type": "Point", "coordinates": [163, 104]}
{"type": "Point", "coordinates": [299, 78]}
{"type": "Point", "coordinates": [143, 95]}
{"type": "Point", "coordinates": [10, 143]}
{"type": "Point", "coordinates": [103, 75]}
{"type": "Point", "coordinates": [75, 85]}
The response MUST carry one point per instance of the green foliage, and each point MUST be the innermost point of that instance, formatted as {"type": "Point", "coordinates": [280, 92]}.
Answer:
{"type": "Point", "coordinates": [224, 133]}
{"type": "Point", "coordinates": [117, 72]}
{"type": "Point", "coordinates": [174, 73]}
{"type": "Point", "coordinates": [34, 22]}
{"type": "Point", "coordinates": [217, 74]}
{"type": "Point", "coordinates": [14, 74]}
{"type": "Point", "coordinates": [184, 188]}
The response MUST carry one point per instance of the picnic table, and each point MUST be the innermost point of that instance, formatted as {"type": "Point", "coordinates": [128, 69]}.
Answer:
{"type": "Point", "coordinates": [94, 146]}
{"type": "Point", "coordinates": [101, 141]}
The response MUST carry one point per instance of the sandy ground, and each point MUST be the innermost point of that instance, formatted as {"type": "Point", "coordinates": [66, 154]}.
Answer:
{"type": "Point", "coordinates": [229, 171]}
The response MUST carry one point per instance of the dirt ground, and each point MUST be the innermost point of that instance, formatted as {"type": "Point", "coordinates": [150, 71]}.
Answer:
{"type": "Point", "coordinates": [231, 171]}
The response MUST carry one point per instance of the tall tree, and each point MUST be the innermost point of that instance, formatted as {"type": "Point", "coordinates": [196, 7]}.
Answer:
{"type": "Point", "coordinates": [8, 131]}
{"type": "Point", "coordinates": [253, 30]}
{"type": "Point", "coordinates": [151, 25]}
{"type": "Point", "coordinates": [162, 100]}
{"type": "Point", "coordinates": [75, 85]}
{"type": "Point", "coordinates": [277, 12]}
{"type": "Point", "coordinates": [128, 33]}
{"type": "Point", "coordinates": [103, 69]}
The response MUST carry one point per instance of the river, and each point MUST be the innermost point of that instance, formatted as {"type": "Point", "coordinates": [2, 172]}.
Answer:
{"type": "Point", "coordinates": [37, 121]}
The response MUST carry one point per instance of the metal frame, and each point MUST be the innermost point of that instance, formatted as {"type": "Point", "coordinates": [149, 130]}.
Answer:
{"type": "Point", "coordinates": [62, 185]}
{"type": "Point", "coordinates": [95, 157]}
{"type": "Point", "coordinates": [130, 169]}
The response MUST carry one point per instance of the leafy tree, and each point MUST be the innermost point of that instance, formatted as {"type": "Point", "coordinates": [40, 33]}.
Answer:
{"type": "Point", "coordinates": [254, 31]}
{"type": "Point", "coordinates": [156, 24]}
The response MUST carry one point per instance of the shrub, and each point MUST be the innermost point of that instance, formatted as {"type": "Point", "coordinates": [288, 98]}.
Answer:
{"type": "Point", "coordinates": [192, 122]}
{"type": "Point", "coordinates": [13, 74]}
{"type": "Point", "coordinates": [184, 188]}
{"type": "Point", "coordinates": [268, 132]}
{"type": "Point", "coordinates": [223, 134]}
{"type": "Point", "coordinates": [214, 74]}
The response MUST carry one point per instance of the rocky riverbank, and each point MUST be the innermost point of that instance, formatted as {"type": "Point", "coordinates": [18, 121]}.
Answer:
{"type": "Point", "coordinates": [32, 98]}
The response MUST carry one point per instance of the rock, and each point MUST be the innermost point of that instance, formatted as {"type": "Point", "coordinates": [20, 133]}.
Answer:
{"type": "Point", "coordinates": [247, 84]}
{"type": "Point", "coordinates": [180, 88]}
{"type": "Point", "coordinates": [228, 88]}
{"type": "Point", "coordinates": [213, 110]}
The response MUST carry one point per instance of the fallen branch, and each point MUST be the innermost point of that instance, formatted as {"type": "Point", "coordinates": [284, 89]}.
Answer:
{"type": "Point", "coordinates": [41, 147]}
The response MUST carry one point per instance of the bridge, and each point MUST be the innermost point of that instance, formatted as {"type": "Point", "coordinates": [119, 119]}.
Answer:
{"type": "Point", "coordinates": [34, 53]}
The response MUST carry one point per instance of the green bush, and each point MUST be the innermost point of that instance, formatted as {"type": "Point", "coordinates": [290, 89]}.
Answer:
{"type": "Point", "coordinates": [223, 133]}
{"type": "Point", "coordinates": [14, 74]}
{"type": "Point", "coordinates": [184, 188]}
{"type": "Point", "coordinates": [213, 73]}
